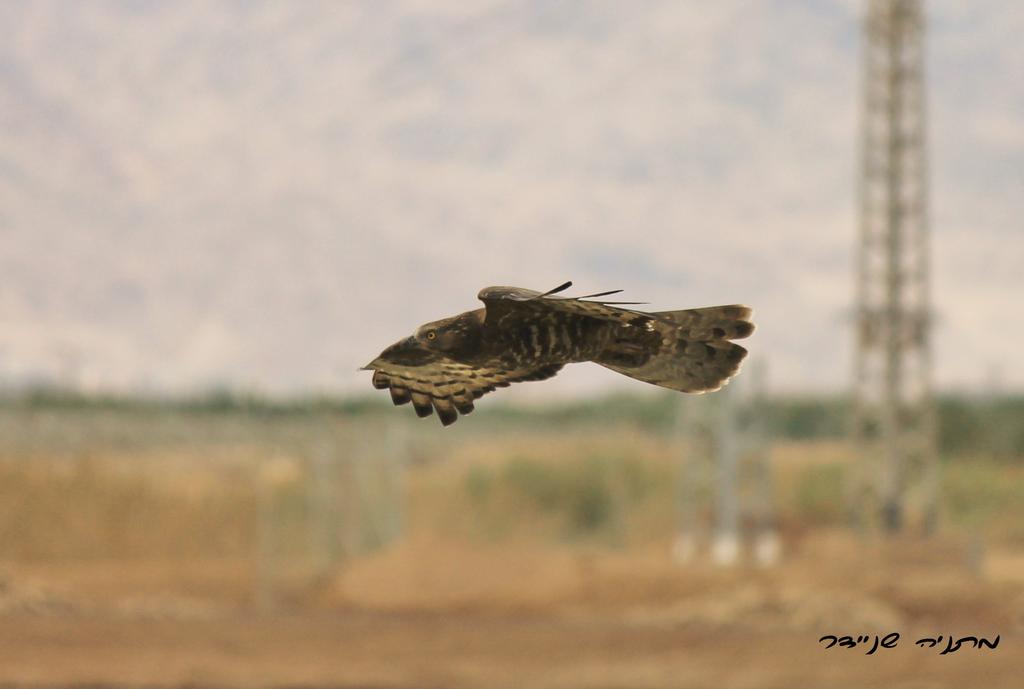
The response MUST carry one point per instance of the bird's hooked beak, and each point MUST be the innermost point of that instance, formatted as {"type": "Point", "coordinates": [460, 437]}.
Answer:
{"type": "Point", "coordinates": [408, 348]}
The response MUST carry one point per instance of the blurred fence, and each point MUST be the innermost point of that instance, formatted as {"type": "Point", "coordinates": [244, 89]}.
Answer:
{"type": "Point", "coordinates": [343, 498]}
{"type": "Point", "coordinates": [293, 493]}
{"type": "Point", "coordinates": [287, 493]}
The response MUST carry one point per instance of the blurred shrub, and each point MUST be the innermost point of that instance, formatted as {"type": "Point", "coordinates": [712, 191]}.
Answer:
{"type": "Point", "coordinates": [584, 496]}
{"type": "Point", "coordinates": [88, 509]}
{"type": "Point", "coordinates": [656, 411]}
{"type": "Point", "coordinates": [983, 492]}
{"type": "Point", "coordinates": [967, 424]}
{"type": "Point", "coordinates": [818, 494]}
{"type": "Point", "coordinates": [993, 426]}
{"type": "Point", "coordinates": [805, 418]}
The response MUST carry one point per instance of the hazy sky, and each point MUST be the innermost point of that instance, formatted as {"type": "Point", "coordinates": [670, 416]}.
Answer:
{"type": "Point", "coordinates": [265, 194]}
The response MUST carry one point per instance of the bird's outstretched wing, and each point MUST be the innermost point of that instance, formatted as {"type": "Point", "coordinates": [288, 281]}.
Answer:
{"type": "Point", "coordinates": [432, 381]}
{"type": "Point", "coordinates": [689, 350]}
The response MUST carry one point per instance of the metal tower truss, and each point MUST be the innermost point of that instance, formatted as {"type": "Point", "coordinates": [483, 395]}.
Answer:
{"type": "Point", "coordinates": [893, 419]}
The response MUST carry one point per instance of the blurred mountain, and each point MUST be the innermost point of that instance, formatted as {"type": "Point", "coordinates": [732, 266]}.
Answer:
{"type": "Point", "coordinates": [264, 194]}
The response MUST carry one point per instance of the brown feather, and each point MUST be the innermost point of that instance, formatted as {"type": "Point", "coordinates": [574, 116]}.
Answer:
{"type": "Point", "coordinates": [421, 403]}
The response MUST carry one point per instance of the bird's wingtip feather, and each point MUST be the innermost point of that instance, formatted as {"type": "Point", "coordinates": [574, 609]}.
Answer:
{"type": "Point", "coordinates": [562, 287]}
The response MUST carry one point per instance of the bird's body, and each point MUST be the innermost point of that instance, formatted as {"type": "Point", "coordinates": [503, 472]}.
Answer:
{"type": "Point", "coordinates": [525, 335]}
{"type": "Point", "coordinates": [505, 343]}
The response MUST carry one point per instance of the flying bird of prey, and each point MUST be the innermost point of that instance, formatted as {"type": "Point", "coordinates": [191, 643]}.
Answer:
{"type": "Point", "coordinates": [523, 335]}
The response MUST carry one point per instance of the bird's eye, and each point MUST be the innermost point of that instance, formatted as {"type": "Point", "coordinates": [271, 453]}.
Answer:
{"type": "Point", "coordinates": [431, 335]}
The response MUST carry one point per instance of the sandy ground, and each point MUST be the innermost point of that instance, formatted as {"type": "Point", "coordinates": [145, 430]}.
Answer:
{"type": "Point", "coordinates": [427, 615]}
{"type": "Point", "coordinates": [467, 649]}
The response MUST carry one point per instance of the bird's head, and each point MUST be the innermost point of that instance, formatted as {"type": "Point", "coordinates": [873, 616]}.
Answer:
{"type": "Point", "coordinates": [451, 335]}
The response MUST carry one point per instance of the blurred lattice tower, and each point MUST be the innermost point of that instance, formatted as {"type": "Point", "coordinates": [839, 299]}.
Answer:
{"type": "Point", "coordinates": [893, 419]}
{"type": "Point", "coordinates": [725, 502]}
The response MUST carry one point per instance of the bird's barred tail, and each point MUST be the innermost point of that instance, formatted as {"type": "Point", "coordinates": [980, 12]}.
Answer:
{"type": "Point", "coordinates": [687, 350]}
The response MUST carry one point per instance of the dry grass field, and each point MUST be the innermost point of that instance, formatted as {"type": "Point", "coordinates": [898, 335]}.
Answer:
{"type": "Point", "coordinates": [226, 551]}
